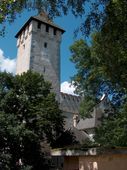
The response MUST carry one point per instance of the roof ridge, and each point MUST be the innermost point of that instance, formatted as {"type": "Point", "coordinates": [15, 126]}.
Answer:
{"type": "Point", "coordinates": [44, 16]}
{"type": "Point", "coordinates": [70, 94]}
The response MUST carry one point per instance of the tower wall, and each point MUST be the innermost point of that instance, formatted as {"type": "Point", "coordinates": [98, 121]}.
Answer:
{"type": "Point", "coordinates": [24, 50]}
{"type": "Point", "coordinates": [45, 53]}
{"type": "Point", "coordinates": [39, 50]}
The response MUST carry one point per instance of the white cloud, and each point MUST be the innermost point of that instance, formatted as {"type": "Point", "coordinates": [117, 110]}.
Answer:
{"type": "Point", "coordinates": [7, 64]}
{"type": "Point", "coordinates": [67, 87]}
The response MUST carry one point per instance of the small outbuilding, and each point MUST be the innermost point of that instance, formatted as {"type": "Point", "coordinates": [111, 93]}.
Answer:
{"type": "Point", "coordinates": [92, 159]}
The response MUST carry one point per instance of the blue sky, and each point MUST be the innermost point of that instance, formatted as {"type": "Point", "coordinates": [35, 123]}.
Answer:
{"type": "Point", "coordinates": [8, 50]}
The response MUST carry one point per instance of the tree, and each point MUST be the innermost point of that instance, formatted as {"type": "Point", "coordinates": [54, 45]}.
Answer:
{"type": "Point", "coordinates": [92, 81]}
{"type": "Point", "coordinates": [89, 80]}
{"type": "Point", "coordinates": [113, 130]}
{"type": "Point", "coordinates": [109, 45]}
{"type": "Point", "coordinates": [29, 115]}
{"type": "Point", "coordinates": [94, 11]}
{"type": "Point", "coordinates": [101, 68]}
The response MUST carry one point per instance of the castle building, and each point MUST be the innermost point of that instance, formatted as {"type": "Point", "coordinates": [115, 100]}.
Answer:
{"type": "Point", "coordinates": [38, 43]}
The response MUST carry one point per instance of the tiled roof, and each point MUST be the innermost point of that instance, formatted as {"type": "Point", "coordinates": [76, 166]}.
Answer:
{"type": "Point", "coordinates": [70, 103]}
{"type": "Point", "coordinates": [42, 18]}
{"type": "Point", "coordinates": [80, 135]}
{"type": "Point", "coordinates": [87, 123]}
{"type": "Point", "coordinates": [96, 114]}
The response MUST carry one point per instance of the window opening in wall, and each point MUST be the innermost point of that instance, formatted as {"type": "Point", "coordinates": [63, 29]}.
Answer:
{"type": "Point", "coordinates": [39, 25]}
{"type": "Point", "coordinates": [47, 28]}
{"type": "Point", "coordinates": [23, 46]}
{"type": "Point", "coordinates": [23, 34]}
{"type": "Point", "coordinates": [45, 44]}
{"type": "Point", "coordinates": [54, 31]}
{"type": "Point", "coordinates": [19, 37]}
{"type": "Point", "coordinates": [27, 31]}
{"type": "Point", "coordinates": [28, 27]}
{"type": "Point", "coordinates": [44, 69]}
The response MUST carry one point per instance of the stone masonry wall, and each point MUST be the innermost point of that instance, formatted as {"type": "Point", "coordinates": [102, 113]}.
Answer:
{"type": "Point", "coordinates": [39, 50]}
{"type": "Point", "coordinates": [24, 49]}
{"type": "Point", "coordinates": [45, 53]}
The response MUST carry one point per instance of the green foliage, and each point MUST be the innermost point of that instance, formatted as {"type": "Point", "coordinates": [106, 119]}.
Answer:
{"type": "Point", "coordinates": [88, 79]}
{"type": "Point", "coordinates": [113, 131]}
{"type": "Point", "coordinates": [101, 68]}
{"type": "Point", "coordinates": [94, 11]}
{"type": "Point", "coordinates": [91, 82]}
{"type": "Point", "coordinates": [29, 114]}
{"type": "Point", "coordinates": [109, 45]}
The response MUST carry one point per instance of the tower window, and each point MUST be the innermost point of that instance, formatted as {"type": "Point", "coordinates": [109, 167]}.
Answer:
{"type": "Point", "coordinates": [54, 31]}
{"type": "Point", "coordinates": [47, 28]}
{"type": "Point", "coordinates": [39, 25]}
{"type": "Point", "coordinates": [44, 69]}
{"type": "Point", "coordinates": [45, 44]}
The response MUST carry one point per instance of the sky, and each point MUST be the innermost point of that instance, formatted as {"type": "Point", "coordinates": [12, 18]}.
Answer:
{"type": "Point", "coordinates": [8, 49]}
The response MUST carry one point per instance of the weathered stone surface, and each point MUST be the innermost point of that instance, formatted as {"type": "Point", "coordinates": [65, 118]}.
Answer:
{"type": "Point", "coordinates": [39, 50]}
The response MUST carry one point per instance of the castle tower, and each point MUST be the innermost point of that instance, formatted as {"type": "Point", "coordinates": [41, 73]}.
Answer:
{"type": "Point", "coordinates": [38, 43]}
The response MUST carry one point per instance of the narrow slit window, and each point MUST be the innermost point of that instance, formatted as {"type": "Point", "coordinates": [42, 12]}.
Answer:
{"type": "Point", "coordinates": [44, 69]}
{"type": "Point", "coordinates": [47, 28]}
{"type": "Point", "coordinates": [45, 44]}
{"type": "Point", "coordinates": [39, 25]}
{"type": "Point", "coordinates": [54, 31]}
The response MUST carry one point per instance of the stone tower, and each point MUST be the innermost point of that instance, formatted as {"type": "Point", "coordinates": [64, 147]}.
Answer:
{"type": "Point", "coordinates": [38, 43]}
